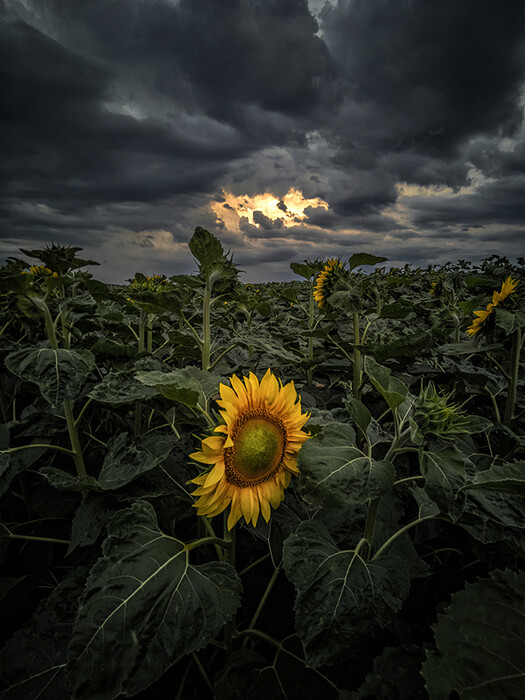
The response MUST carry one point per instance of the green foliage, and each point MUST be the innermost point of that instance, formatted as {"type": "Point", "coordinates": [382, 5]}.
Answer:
{"type": "Point", "coordinates": [409, 506]}
{"type": "Point", "coordinates": [480, 640]}
{"type": "Point", "coordinates": [117, 622]}
{"type": "Point", "coordinates": [342, 600]}
{"type": "Point", "coordinates": [334, 472]}
{"type": "Point", "coordinates": [59, 374]}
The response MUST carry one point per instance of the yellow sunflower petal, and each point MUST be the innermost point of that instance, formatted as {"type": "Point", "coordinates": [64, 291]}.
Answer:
{"type": "Point", "coordinates": [215, 475]}
{"type": "Point", "coordinates": [255, 455]}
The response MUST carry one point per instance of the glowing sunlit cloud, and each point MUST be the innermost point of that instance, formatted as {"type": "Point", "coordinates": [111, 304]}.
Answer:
{"type": "Point", "coordinates": [290, 210]}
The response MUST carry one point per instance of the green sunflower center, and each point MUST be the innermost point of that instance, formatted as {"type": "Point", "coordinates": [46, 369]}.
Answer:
{"type": "Point", "coordinates": [259, 443]}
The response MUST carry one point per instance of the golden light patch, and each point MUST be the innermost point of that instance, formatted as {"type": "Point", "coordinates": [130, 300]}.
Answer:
{"type": "Point", "coordinates": [289, 210]}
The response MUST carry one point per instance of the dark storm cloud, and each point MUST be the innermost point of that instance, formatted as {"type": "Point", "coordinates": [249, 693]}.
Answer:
{"type": "Point", "coordinates": [125, 119]}
{"type": "Point", "coordinates": [207, 55]}
{"type": "Point", "coordinates": [500, 202]}
{"type": "Point", "coordinates": [62, 148]}
{"type": "Point", "coordinates": [428, 75]}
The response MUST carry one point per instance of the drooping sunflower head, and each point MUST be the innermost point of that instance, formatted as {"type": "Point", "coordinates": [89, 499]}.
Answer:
{"type": "Point", "coordinates": [507, 288]}
{"type": "Point", "coordinates": [326, 279]}
{"type": "Point", "coordinates": [255, 454]}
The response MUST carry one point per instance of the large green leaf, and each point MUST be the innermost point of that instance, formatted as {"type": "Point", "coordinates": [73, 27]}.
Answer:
{"type": "Point", "coordinates": [391, 389]}
{"type": "Point", "coordinates": [490, 516]}
{"type": "Point", "coordinates": [334, 472]}
{"type": "Point", "coordinates": [359, 259]}
{"type": "Point", "coordinates": [510, 321]}
{"type": "Point", "coordinates": [445, 472]}
{"type": "Point", "coordinates": [503, 478]}
{"type": "Point", "coordinates": [145, 606]}
{"type": "Point", "coordinates": [206, 248]}
{"type": "Point", "coordinates": [360, 414]}
{"type": "Point", "coordinates": [480, 641]}
{"type": "Point", "coordinates": [125, 460]}
{"type": "Point", "coordinates": [12, 464]}
{"type": "Point", "coordinates": [34, 659]}
{"type": "Point", "coordinates": [190, 386]}
{"type": "Point", "coordinates": [177, 385]}
{"type": "Point", "coordinates": [91, 517]}
{"type": "Point", "coordinates": [60, 374]}
{"type": "Point", "coordinates": [396, 675]}
{"type": "Point", "coordinates": [342, 600]}
{"type": "Point", "coordinates": [414, 344]}
{"type": "Point", "coordinates": [121, 386]}
{"type": "Point", "coordinates": [303, 269]}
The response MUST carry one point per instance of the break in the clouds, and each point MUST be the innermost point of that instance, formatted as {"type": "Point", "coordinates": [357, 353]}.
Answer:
{"type": "Point", "coordinates": [290, 129]}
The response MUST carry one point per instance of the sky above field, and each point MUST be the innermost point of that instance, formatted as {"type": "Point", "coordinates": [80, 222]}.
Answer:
{"type": "Point", "coordinates": [290, 129]}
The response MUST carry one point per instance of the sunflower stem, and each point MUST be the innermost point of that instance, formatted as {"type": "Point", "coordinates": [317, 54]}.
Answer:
{"type": "Point", "coordinates": [202, 670]}
{"type": "Point", "coordinates": [74, 439]}
{"type": "Point", "coordinates": [207, 540]}
{"type": "Point", "coordinates": [357, 359]}
{"type": "Point", "coordinates": [400, 532]}
{"type": "Point", "coordinates": [229, 536]}
{"type": "Point", "coordinates": [209, 420]}
{"type": "Point", "coordinates": [183, 679]}
{"type": "Point", "coordinates": [370, 525]}
{"type": "Point", "coordinates": [141, 348]}
{"type": "Point", "coordinates": [206, 327]}
{"type": "Point", "coordinates": [513, 378]}
{"type": "Point", "coordinates": [150, 333]}
{"type": "Point", "coordinates": [311, 321]}
{"type": "Point", "coordinates": [50, 326]}
{"type": "Point", "coordinates": [262, 602]}
{"type": "Point", "coordinates": [211, 531]}
{"type": "Point", "coordinates": [33, 538]}
{"type": "Point", "coordinates": [36, 445]}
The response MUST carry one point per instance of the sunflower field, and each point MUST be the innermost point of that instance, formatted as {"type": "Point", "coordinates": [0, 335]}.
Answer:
{"type": "Point", "coordinates": [296, 490]}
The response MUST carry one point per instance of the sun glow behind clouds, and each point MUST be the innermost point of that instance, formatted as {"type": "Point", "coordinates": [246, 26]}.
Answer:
{"type": "Point", "coordinates": [289, 209]}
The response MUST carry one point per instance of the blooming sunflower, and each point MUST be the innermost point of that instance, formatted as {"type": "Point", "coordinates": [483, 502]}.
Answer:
{"type": "Point", "coordinates": [323, 286]}
{"type": "Point", "coordinates": [507, 287]}
{"type": "Point", "coordinates": [255, 454]}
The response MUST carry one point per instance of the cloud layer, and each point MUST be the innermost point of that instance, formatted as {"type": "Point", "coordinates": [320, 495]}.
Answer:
{"type": "Point", "coordinates": [127, 124]}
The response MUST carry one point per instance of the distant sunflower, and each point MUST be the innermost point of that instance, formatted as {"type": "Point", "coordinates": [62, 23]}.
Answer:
{"type": "Point", "coordinates": [325, 280]}
{"type": "Point", "coordinates": [507, 288]}
{"type": "Point", "coordinates": [256, 454]}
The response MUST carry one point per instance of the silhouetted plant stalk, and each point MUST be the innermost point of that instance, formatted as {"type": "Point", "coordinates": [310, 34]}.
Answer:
{"type": "Point", "coordinates": [517, 343]}
{"type": "Point", "coordinates": [76, 449]}
{"type": "Point", "coordinates": [206, 325]}
{"type": "Point", "coordinates": [357, 359]}
{"type": "Point", "coordinates": [311, 326]}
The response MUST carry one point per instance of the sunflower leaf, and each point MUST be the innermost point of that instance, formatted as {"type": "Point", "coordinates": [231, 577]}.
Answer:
{"type": "Point", "coordinates": [334, 472]}
{"type": "Point", "coordinates": [124, 460]}
{"type": "Point", "coordinates": [509, 321]}
{"type": "Point", "coordinates": [342, 600]}
{"type": "Point", "coordinates": [504, 478]}
{"type": "Point", "coordinates": [359, 259]}
{"type": "Point", "coordinates": [177, 385]}
{"type": "Point", "coordinates": [34, 659]}
{"type": "Point", "coordinates": [144, 607]}
{"type": "Point", "coordinates": [391, 389]}
{"type": "Point", "coordinates": [479, 653]}
{"type": "Point", "coordinates": [303, 269]}
{"type": "Point", "coordinates": [59, 374]}
{"type": "Point", "coordinates": [445, 472]}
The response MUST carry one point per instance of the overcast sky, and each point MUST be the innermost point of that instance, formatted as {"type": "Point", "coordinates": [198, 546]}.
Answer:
{"type": "Point", "coordinates": [290, 129]}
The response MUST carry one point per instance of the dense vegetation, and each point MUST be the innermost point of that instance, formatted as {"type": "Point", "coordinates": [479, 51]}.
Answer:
{"type": "Point", "coordinates": [394, 568]}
